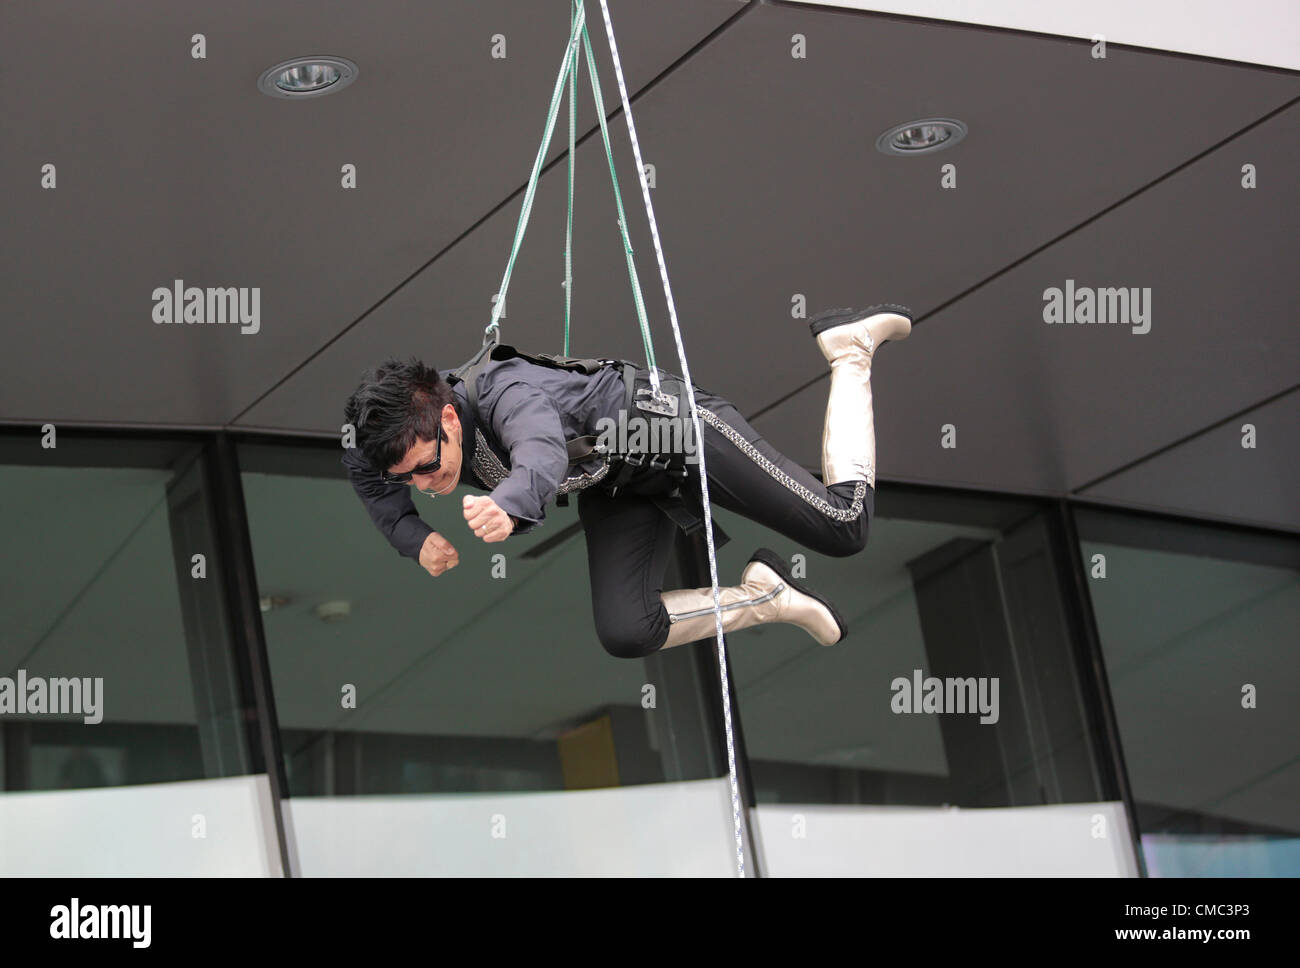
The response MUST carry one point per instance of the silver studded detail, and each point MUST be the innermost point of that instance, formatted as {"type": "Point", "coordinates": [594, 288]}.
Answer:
{"type": "Point", "coordinates": [487, 466]}
{"type": "Point", "coordinates": [758, 457]}
{"type": "Point", "coordinates": [491, 472]}
{"type": "Point", "coordinates": [582, 481]}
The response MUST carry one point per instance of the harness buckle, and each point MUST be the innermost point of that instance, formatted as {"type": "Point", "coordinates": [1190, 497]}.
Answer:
{"type": "Point", "coordinates": [661, 403]}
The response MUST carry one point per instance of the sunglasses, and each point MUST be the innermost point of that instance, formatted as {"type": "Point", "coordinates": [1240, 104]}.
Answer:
{"type": "Point", "coordinates": [428, 468]}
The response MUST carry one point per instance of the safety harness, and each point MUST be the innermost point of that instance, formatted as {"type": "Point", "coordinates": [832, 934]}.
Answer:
{"type": "Point", "coordinates": [661, 477]}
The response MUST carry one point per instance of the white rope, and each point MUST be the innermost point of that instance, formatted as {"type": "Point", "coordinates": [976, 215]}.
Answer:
{"type": "Point", "coordinates": [574, 64]}
{"type": "Point", "coordinates": [695, 418]}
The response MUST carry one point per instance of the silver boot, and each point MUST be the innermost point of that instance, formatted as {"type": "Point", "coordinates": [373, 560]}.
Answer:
{"type": "Point", "coordinates": [848, 338]}
{"type": "Point", "coordinates": [766, 593]}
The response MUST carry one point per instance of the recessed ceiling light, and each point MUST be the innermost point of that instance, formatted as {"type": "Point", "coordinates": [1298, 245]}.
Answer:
{"type": "Point", "coordinates": [919, 137]}
{"type": "Point", "coordinates": [307, 77]}
{"type": "Point", "coordinates": [335, 611]}
{"type": "Point", "coordinates": [270, 602]}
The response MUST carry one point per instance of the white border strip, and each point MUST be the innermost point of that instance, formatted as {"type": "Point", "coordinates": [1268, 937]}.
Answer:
{"type": "Point", "coordinates": [1251, 31]}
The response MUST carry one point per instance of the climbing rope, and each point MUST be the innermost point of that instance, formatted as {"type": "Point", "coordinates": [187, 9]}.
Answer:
{"type": "Point", "coordinates": [622, 218]}
{"type": "Point", "coordinates": [573, 134]}
{"type": "Point", "coordinates": [695, 419]}
{"type": "Point", "coordinates": [568, 70]}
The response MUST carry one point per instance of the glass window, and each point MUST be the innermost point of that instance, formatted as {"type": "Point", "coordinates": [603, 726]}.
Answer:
{"type": "Point", "coordinates": [116, 666]}
{"type": "Point", "coordinates": [1198, 626]}
{"type": "Point", "coordinates": [488, 680]}
{"type": "Point", "coordinates": [100, 593]}
{"type": "Point", "coordinates": [957, 682]}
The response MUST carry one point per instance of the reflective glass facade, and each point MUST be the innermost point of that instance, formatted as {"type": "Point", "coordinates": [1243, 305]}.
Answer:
{"type": "Point", "coordinates": [1027, 686]}
{"type": "Point", "coordinates": [1199, 627]}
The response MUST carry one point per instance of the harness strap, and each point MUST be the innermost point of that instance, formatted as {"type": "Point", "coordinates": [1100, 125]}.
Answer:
{"type": "Point", "coordinates": [468, 372]}
{"type": "Point", "coordinates": [580, 448]}
{"type": "Point", "coordinates": [686, 514]}
{"type": "Point", "coordinates": [493, 352]}
{"type": "Point", "coordinates": [682, 516]}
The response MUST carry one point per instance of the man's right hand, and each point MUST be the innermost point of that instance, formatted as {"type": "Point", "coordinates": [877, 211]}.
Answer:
{"type": "Point", "coordinates": [437, 555]}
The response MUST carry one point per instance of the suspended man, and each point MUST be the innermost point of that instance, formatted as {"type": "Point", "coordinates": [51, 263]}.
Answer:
{"type": "Point", "coordinates": [527, 430]}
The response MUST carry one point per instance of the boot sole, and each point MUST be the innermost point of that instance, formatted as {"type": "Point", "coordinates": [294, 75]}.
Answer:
{"type": "Point", "coordinates": [842, 317]}
{"type": "Point", "coordinates": [777, 564]}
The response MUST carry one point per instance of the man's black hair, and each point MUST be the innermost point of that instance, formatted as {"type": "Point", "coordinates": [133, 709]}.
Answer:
{"type": "Point", "coordinates": [397, 404]}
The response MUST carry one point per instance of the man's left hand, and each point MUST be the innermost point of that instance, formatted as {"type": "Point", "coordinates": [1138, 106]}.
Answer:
{"type": "Point", "coordinates": [487, 520]}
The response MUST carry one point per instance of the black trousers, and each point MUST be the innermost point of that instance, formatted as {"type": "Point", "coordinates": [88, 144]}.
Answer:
{"type": "Point", "coordinates": [629, 538]}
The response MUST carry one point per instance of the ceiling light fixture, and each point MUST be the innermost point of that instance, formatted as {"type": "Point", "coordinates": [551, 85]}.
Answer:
{"type": "Point", "coordinates": [335, 611]}
{"type": "Point", "coordinates": [270, 602]}
{"type": "Point", "coordinates": [307, 77]}
{"type": "Point", "coordinates": [920, 137]}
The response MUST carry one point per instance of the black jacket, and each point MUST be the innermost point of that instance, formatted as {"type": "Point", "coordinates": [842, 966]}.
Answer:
{"type": "Point", "coordinates": [513, 447]}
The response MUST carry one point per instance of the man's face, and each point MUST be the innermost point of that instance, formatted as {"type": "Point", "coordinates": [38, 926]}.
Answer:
{"type": "Point", "coordinates": [447, 476]}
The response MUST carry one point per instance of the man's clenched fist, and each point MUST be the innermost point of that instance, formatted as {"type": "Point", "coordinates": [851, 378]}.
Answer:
{"type": "Point", "coordinates": [437, 555]}
{"type": "Point", "coordinates": [487, 520]}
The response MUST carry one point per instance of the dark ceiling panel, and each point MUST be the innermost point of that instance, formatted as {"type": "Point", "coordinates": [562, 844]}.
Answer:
{"type": "Point", "coordinates": [1051, 408]}
{"type": "Point", "coordinates": [1213, 475]}
{"type": "Point", "coordinates": [175, 168]}
{"type": "Point", "coordinates": [768, 185]}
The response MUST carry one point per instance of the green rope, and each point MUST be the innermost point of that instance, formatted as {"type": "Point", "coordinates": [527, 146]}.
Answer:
{"type": "Point", "coordinates": [569, 73]}
{"type": "Point", "coordinates": [553, 111]}
{"type": "Point", "coordinates": [622, 219]}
